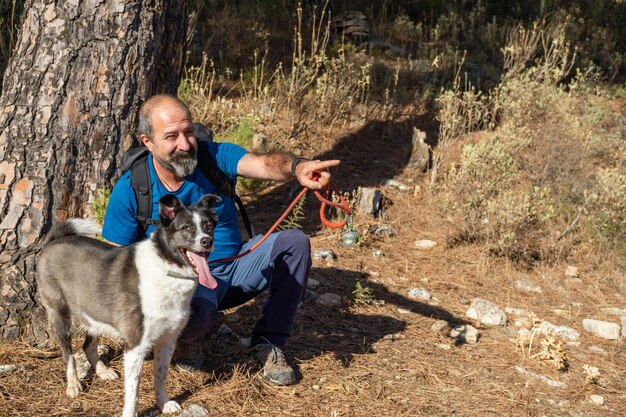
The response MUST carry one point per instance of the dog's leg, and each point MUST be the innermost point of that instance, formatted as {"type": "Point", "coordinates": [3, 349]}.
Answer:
{"type": "Point", "coordinates": [163, 352]}
{"type": "Point", "coordinates": [133, 364]}
{"type": "Point", "coordinates": [91, 350]}
{"type": "Point", "coordinates": [61, 326]}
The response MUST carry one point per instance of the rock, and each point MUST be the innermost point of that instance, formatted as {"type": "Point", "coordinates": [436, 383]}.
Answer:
{"type": "Point", "coordinates": [420, 293]}
{"type": "Point", "coordinates": [329, 300]}
{"type": "Point", "coordinates": [522, 322]}
{"type": "Point", "coordinates": [398, 185]}
{"type": "Point", "coordinates": [486, 312]}
{"type": "Point", "coordinates": [369, 201]}
{"type": "Point", "coordinates": [571, 271]}
{"type": "Point", "coordinates": [315, 387]}
{"type": "Point", "coordinates": [516, 311]}
{"type": "Point", "coordinates": [310, 296]}
{"type": "Point", "coordinates": [443, 346]}
{"type": "Point", "coordinates": [465, 333]}
{"type": "Point", "coordinates": [597, 349]}
{"type": "Point", "coordinates": [262, 144]}
{"type": "Point", "coordinates": [623, 320]}
{"type": "Point", "coordinates": [439, 326]}
{"type": "Point", "coordinates": [614, 311]}
{"type": "Point", "coordinates": [6, 369]}
{"type": "Point", "coordinates": [528, 286]}
{"type": "Point", "coordinates": [545, 379]}
{"type": "Point", "coordinates": [603, 329]}
{"type": "Point", "coordinates": [325, 254]}
{"type": "Point", "coordinates": [420, 152]}
{"type": "Point", "coordinates": [378, 253]}
{"type": "Point", "coordinates": [194, 410]}
{"type": "Point", "coordinates": [312, 284]}
{"type": "Point", "coordinates": [424, 244]}
{"type": "Point", "coordinates": [404, 310]}
{"type": "Point", "coordinates": [597, 399]}
{"type": "Point", "coordinates": [382, 230]}
{"type": "Point", "coordinates": [560, 331]}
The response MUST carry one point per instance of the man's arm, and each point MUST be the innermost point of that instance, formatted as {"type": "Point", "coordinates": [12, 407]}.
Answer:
{"type": "Point", "coordinates": [277, 167]}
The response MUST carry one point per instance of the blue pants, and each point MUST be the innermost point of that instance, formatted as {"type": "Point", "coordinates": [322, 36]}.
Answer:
{"type": "Point", "coordinates": [280, 264]}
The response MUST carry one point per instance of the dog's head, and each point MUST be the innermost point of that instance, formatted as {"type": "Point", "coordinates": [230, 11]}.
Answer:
{"type": "Point", "coordinates": [185, 234]}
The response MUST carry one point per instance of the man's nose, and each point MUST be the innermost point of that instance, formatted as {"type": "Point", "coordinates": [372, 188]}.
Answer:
{"type": "Point", "coordinates": [183, 142]}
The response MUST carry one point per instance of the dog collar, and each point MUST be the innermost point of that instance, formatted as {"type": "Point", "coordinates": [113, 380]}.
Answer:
{"type": "Point", "coordinates": [177, 275]}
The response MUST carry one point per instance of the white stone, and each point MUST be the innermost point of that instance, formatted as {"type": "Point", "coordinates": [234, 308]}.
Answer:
{"type": "Point", "coordinates": [194, 410]}
{"type": "Point", "coordinates": [571, 271]}
{"type": "Point", "coordinates": [329, 299]}
{"type": "Point", "coordinates": [522, 322]}
{"type": "Point", "coordinates": [623, 320]}
{"type": "Point", "coordinates": [378, 253]}
{"type": "Point", "coordinates": [614, 311]}
{"type": "Point", "coordinates": [11, 368]}
{"type": "Point", "coordinates": [597, 349]}
{"type": "Point", "coordinates": [398, 185]}
{"type": "Point", "coordinates": [603, 329]}
{"type": "Point", "coordinates": [560, 331]}
{"type": "Point", "coordinates": [403, 310]}
{"type": "Point", "coordinates": [325, 254]}
{"type": "Point", "coordinates": [525, 285]}
{"type": "Point", "coordinates": [465, 333]}
{"type": "Point", "coordinates": [545, 379]}
{"type": "Point", "coordinates": [312, 284]}
{"type": "Point", "coordinates": [420, 293]}
{"type": "Point", "coordinates": [439, 326]}
{"type": "Point", "coordinates": [516, 311]}
{"type": "Point", "coordinates": [425, 244]}
{"type": "Point", "coordinates": [597, 399]}
{"type": "Point", "coordinates": [486, 312]}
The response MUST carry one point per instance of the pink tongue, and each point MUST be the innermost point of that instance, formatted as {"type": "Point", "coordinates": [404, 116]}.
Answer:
{"type": "Point", "coordinates": [204, 275]}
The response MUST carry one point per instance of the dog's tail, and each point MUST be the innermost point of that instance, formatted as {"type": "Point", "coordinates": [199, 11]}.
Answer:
{"type": "Point", "coordinates": [74, 227]}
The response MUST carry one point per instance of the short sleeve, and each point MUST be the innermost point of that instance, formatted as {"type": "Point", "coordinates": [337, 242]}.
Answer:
{"type": "Point", "coordinates": [227, 156]}
{"type": "Point", "coordinates": [120, 223]}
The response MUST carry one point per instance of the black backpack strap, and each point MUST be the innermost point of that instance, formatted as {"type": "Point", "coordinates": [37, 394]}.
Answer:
{"type": "Point", "coordinates": [140, 180]}
{"type": "Point", "coordinates": [223, 184]}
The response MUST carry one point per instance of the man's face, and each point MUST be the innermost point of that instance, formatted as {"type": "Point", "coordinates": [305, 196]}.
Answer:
{"type": "Point", "coordinates": [173, 143]}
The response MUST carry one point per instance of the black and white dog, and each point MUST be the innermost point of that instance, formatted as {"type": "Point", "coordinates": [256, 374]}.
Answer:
{"type": "Point", "coordinates": [139, 293]}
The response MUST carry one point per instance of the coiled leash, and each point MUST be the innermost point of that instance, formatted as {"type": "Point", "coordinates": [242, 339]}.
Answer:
{"type": "Point", "coordinates": [324, 203]}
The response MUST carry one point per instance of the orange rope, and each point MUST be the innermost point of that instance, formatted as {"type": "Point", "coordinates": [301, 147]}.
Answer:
{"type": "Point", "coordinates": [325, 202]}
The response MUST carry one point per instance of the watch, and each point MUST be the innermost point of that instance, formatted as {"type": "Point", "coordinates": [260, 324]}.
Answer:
{"type": "Point", "coordinates": [295, 163]}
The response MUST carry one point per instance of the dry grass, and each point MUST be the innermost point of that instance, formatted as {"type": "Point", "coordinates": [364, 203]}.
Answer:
{"type": "Point", "coordinates": [363, 359]}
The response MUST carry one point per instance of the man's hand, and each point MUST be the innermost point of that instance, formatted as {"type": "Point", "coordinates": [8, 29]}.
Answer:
{"type": "Point", "coordinates": [314, 174]}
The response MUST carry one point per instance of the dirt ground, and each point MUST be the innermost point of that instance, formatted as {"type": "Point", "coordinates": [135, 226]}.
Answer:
{"type": "Point", "coordinates": [381, 358]}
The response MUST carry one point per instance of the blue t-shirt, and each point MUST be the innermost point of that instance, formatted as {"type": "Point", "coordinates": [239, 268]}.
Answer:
{"type": "Point", "coordinates": [120, 222]}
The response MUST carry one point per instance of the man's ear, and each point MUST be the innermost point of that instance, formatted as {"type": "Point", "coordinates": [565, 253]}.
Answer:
{"type": "Point", "coordinates": [169, 205]}
{"type": "Point", "coordinates": [147, 142]}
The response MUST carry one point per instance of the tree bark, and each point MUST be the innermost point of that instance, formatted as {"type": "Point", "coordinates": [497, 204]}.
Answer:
{"type": "Point", "coordinates": [69, 102]}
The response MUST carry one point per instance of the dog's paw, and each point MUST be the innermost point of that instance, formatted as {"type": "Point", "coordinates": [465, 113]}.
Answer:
{"type": "Point", "coordinates": [73, 389]}
{"type": "Point", "coordinates": [106, 373]}
{"type": "Point", "coordinates": [171, 407]}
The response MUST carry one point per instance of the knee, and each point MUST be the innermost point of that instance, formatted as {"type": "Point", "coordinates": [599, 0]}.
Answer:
{"type": "Point", "coordinates": [296, 241]}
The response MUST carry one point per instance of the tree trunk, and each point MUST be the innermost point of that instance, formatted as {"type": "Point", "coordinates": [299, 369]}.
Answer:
{"type": "Point", "coordinates": [70, 98]}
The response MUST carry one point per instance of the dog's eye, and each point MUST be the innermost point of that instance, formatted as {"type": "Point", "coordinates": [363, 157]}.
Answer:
{"type": "Point", "coordinates": [208, 227]}
{"type": "Point", "coordinates": [186, 227]}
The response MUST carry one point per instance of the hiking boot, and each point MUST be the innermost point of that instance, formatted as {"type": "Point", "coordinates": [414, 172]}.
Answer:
{"type": "Point", "coordinates": [188, 357]}
{"type": "Point", "coordinates": [275, 367]}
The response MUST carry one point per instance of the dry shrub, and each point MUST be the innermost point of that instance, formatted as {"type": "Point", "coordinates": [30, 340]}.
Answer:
{"type": "Point", "coordinates": [540, 177]}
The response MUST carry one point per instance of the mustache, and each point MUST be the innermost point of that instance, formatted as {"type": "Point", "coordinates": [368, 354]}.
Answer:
{"type": "Point", "coordinates": [181, 156]}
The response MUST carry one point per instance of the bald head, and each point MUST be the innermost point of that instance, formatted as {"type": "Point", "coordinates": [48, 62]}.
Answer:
{"type": "Point", "coordinates": [153, 105]}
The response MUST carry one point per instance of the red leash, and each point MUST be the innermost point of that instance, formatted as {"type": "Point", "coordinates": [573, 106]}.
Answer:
{"type": "Point", "coordinates": [325, 202]}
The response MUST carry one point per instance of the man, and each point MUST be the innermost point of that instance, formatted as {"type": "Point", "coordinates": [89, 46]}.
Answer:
{"type": "Point", "coordinates": [281, 263]}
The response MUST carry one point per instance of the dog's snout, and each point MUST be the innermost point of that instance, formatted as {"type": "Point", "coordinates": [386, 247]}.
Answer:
{"type": "Point", "coordinates": [206, 242]}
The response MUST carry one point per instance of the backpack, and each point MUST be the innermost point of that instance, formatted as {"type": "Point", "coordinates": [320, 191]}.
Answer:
{"type": "Point", "coordinates": [136, 159]}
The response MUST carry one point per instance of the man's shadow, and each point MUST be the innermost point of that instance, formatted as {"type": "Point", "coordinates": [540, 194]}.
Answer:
{"type": "Point", "coordinates": [318, 329]}
{"type": "Point", "coordinates": [377, 151]}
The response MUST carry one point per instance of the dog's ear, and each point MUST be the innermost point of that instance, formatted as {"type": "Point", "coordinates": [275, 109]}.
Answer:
{"type": "Point", "coordinates": [207, 201]}
{"type": "Point", "coordinates": [169, 205]}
